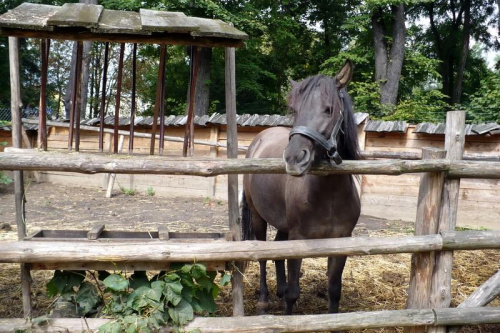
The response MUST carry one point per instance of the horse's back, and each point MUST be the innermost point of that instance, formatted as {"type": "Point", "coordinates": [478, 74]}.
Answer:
{"type": "Point", "coordinates": [269, 143]}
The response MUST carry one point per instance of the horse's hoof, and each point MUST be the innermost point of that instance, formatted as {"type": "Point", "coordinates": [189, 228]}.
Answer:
{"type": "Point", "coordinates": [262, 308]}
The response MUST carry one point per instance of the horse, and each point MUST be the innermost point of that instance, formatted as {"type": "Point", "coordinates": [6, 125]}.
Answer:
{"type": "Point", "coordinates": [300, 205]}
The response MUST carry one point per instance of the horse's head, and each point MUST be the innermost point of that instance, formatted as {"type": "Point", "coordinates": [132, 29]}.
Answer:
{"type": "Point", "coordinates": [319, 106]}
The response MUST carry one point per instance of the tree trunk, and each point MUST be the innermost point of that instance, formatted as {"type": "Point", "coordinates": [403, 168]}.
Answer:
{"type": "Point", "coordinates": [457, 91]}
{"type": "Point", "coordinates": [69, 86]}
{"type": "Point", "coordinates": [389, 60]}
{"type": "Point", "coordinates": [202, 98]}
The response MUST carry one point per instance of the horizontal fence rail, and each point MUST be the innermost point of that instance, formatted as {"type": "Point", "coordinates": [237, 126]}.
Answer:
{"type": "Point", "coordinates": [127, 251]}
{"type": "Point", "coordinates": [418, 156]}
{"type": "Point", "coordinates": [33, 160]}
{"type": "Point", "coordinates": [295, 323]}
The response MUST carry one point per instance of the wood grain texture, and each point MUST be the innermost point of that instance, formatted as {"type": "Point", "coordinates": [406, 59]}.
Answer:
{"type": "Point", "coordinates": [428, 207]}
{"type": "Point", "coordinates": [441, 279]}
{"type": "Point", "coordinates": [12, 159]}
{"type": "Point", "coordinates": [294, 323]}
{"type": "Point", "coordinates": [118, 251]}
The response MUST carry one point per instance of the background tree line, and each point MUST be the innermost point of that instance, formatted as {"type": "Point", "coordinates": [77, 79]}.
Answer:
{"type": "Point", "coordinates": [415, 59]}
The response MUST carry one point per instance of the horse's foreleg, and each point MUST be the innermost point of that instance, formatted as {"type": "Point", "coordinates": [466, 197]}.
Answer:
{"type": "Point", "coordinates": [292, 291]}
{"type": "Point", "coordinates": [335, 269]}
{"type": "Point", "coordinates": [260, 229]}
{"type": "Point", "coordinates": [263, 303]}
{"type": "Point", "coordinates": [280, 268]}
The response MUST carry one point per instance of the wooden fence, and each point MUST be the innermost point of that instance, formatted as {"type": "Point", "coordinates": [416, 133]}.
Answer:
{"type": "Point", "coordinates": [432, 245]}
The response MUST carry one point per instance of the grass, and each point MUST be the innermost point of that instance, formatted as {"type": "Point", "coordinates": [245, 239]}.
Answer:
{"type": "Point", "coordinates": [128, 191]}
{"type": "Point", "coordinates": [150, 191]}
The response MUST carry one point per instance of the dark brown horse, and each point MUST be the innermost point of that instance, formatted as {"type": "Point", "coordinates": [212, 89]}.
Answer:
{"type": "Point", "coordinates": [300, 205]}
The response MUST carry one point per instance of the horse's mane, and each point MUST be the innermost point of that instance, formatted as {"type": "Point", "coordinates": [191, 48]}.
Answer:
{"type": "Point", "coordinates": [348, 146]}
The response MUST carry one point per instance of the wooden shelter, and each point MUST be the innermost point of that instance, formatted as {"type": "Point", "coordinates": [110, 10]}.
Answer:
{"type": "Point", "coordinates": [85, 22]}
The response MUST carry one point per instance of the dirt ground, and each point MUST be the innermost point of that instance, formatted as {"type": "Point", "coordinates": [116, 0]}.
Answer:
{"type": "Point", "coordinates": [370, 282]}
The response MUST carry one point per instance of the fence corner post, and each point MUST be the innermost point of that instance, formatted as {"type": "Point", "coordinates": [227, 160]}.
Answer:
{"type": "Point", "coordinates": [441, 279]}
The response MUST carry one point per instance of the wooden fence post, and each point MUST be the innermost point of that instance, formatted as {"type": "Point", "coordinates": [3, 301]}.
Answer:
{"type": "Point", "coordinates": [441, 279]}
{"type": "Point", "coordinates": [426, 223]}
{"type": "Point", "coordinates": [232, 187]}
{"type": "Point", "coordinates": [16, 103]}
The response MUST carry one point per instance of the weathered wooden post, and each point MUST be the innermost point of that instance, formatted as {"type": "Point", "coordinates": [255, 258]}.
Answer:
{"type": "Point", "coordinates": [15, 105]}
{"type": "Point", "coordinates": [118, 98]}
{"type": "Point", "coordinates": [74, 92]}
{"type": "Point", "coordinates": [441, 279]}
{"type": "Point", "coordinates": [160, 81]}
{"type": "Point", "coordinates": [232, 188]}
{"type": "Point", "coordinates": [188, 147]}
{"type": "Point", "coordinates": [103, 98]}
{"type": "Point", "coordinates": [133, 106]}
{"type": "Point", "coordinates": [42, 115]}
{"type": "Point", "coordinates": [161, 143]}
{"type": "Point", "coordinates": [426, 223]}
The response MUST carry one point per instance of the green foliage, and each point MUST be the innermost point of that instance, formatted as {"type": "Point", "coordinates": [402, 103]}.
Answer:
{"type": "Point", "coordinates": [150, 191]}
{"type": "Point", "coordinates": [139, 304]}
{"type": "Point", "coordinates": [4, 179]}
{"type": "Point", "coordinates": [424, 106]}
{"type": "Point", "coordinates": [128, 191]}
{"type": "Point", "coordinates": [485, 103]}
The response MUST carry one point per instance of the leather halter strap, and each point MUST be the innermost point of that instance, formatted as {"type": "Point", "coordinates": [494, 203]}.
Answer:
{"type": "Point", "coordinates": [331, 144]}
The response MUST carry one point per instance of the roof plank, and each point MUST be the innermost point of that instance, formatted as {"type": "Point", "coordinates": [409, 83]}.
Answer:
{"type": "Point", "coordinates": [77, 15]}
{"type": "Point", "coordinates": [215, 28]}
{"type": "Point", "coordinates": [120, 22]}
{"type": "Point", "coordinates": [29, 16]}
{"type": "Point", "coordinates": [163, 21]}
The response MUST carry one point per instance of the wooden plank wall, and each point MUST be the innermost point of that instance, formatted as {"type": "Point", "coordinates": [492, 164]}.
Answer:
{"type": "Point", "coordinates": [395, 197]}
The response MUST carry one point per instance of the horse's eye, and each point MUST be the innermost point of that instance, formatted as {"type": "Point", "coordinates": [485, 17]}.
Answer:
{"type": "Point", "coordinates": [328, 110]}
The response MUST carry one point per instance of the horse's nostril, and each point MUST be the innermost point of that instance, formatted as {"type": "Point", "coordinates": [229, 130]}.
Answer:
{"type": "Point", "coordinates": [304, 156]}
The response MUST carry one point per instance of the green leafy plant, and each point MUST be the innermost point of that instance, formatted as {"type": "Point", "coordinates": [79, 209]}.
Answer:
{"type": "Point", "coordinates": [4, 179]}
{"type": "Point", "coordinates": [150, 191]}
{"type": "Point", "coordinates": [138, 303]}
{"type": "Point", "coordinates": [128, 191]}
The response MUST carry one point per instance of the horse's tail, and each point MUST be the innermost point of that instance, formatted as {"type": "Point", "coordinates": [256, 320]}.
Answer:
{"type": "Point", "coordinates": [246, 220]}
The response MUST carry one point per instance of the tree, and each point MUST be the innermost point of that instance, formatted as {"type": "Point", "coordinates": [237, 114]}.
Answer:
{"type": "Point", "coordinates": [389, 51]}
{"type": "Point", "coordinates": [451, 26]}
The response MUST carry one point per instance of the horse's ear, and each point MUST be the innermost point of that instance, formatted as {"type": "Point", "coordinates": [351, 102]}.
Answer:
{"type": "Point", "coordinates": [293, 83]}
{"type": "Point", "coordinates": [345, 75]}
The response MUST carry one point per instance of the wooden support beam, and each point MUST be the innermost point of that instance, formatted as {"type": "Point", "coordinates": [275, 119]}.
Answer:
{"type": "Point", "coordinates": [129, 251]}
{"type": "Point", "coordinates": [118, 97]}
{"type": "Point", "coordinates": [161, 143]}
{"type": "Point", "coordinates": [42, 116]}
{"type": "Point", "coordinates": [294, 323]}
{"type": "Point", "coordinates": [75, 91]}
{"type": "Point", "coordinates": [441, 279]}
{"type": "Point", "coordinates": [482, 296]}
{"type": "Point", "coordinates": [418, 156]}
{"type": "Point", "coordinates": [188, 147]}
{"type": "Point", "coordinates": [112, 177]}
{"type": "Point", "coordinates": [103, 97]}
{"type": "Point", "coordinates": [160, 81]}
{"type": "Point", "coordinates": [19, 198]}
{"type": "Point", "coordinates": [422, 264]}
{"type": "Point", "coordinates": [133, 106]}
{"type": "Point", "coordinates": [232, 183]}
{"type": "Point", "coordinates": [29, 160]}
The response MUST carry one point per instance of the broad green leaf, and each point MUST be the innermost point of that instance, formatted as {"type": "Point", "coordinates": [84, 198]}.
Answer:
{"type": "Point", "coordinates": [87, 298]}
{"type": "Point", "coordinates": [142, 297]}
{"type": "Point", "coordinates": [102, 275]}
{"type": "Point", "coordinates": [110, 327]}
{"type": "Point", "coordinates": [205, 283]}
{"type": "Point", "coordinates": [199, 271]}
{"type": "Point", "coordinates": [173, 292]}
{"type": "Point", "coordinates": [225, 279]}
{"type": "Point", "coordinates": [186, 269]}
{"type": "Point", "coordinates": [206, 301]}
{"type": "Point", "coordinates": [139, 279]}
{"type": "Point", "coordinates": [116, 282]}
{"type": "Point", "coordinates": [182, 313]}
{"type": "Point", "coordinates": [159, 286]}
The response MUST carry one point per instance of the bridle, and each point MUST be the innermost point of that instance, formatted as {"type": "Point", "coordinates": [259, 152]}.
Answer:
{"type": "Point", "coordinates": [331, 144]}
